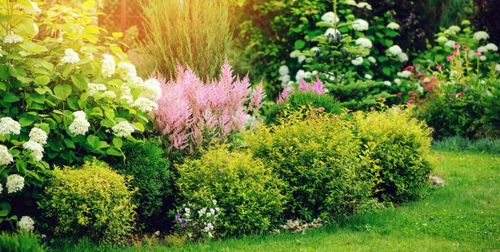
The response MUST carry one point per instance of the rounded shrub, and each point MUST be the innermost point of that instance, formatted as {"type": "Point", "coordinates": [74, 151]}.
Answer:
{"type": "Point", "coordinates": [399, 145]}
{"type": "Point", "coordinates": [300, 99]}
{"type": "Point", "coordinates": [319, 158]}
{"type": "Point", "coordinates": [92, 202]}
{"type": "Point", "coordinates": [246, 191]}
{"type": "Point", "coordinates": [148, 166]}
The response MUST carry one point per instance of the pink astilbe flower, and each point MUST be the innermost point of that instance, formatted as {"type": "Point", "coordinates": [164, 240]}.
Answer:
{"type": "Point", "coordinates": [316, 87]}
{"type": "Point", "coordinates": [192, 113]}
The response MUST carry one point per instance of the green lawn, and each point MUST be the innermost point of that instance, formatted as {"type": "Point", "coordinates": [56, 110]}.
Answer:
{"type": "Point", "coordinates": [464, 215]}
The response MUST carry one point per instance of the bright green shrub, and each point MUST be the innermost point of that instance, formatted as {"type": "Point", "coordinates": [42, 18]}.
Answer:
{"type": "Point", "coordinates": [299, 99]}
{"type": "Point", "coordinates": [320, 160]}
{"type": "Point", "coordinates": [92, 202]}
{"type": "Point", "coordinates": [399, 145]}
{"type": "Point", "coordinates": [149, 168]}
{"type": "Point", "coordinates": [246, 190]}
{"type": "Point", "coordinates": [20, 242]}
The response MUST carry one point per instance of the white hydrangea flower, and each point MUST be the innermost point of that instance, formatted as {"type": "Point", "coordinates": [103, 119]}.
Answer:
{"type": "Point", "coordinates": [360, 25]}
{"type": "Point", "coordinates": [93, 89]}
{"type": "Point", "coordinates": [368, 76]}
{"type": "Point", "coordinates": [450, 43]}
{"type": "Point", "coordinates": [331, 32]}
{"type": "Point", "coordinates": [15, 183]}
{"type": "Point", "coordinates": [284, 70]}
{"type": "Point", "coordinates": [301, 59]}
{"type": "Point", "coordinates": [294, 54]}
{"type": "Point", "coordinates": [127, 70]}
{"type": "Point", "coordinates": [497, 68]}
{"type": "Point", "coordinates": [397, 81]}
{"type": "Point", "coordinates": [38, 135]}
{"type": "Point", "coordinates": [123, 129]}
{"type": "Point", "coordinates": [285, 78]}
{"type": "Point", "coordinates": [35, 148]}
{"type": "Point", "coordinates": [482, 49]}
{"type": "Point", "coordinates": [108, 66]}
{"type": "Point", "coordinates": [481, 35]}
{"type": "Point", "coordinates": [482, 58]}
{"type": "Point", "coordinates": [442, 39]}
{"type": "Point", "coordinates": [136, 82]}
{"type": "Point", "coordinates": [452, 30]}
{"type": "Point", "coordinates": [364, 42]}
{"type": "Point", "coordinates": [109, 94]}
{"type": "Point", "coordinates": [145, 104]}
{"type": "Point", "coordinates": [372, 59]}
{"type": "Point", "coordinates": [357, 61]}
{"type": "Point", "coordinates": [127, 99]}
{"type": "Point", "coordinates": [13, 39]}
{"type": "Point", "coordinates": [395, 50]}
{"type": "Point", "coordinates": [26, 224]}
{"type": "Point", "coordinates": [330, 18]}
{"type": "Point", "coordinates": [9, 126]}
{"type": "Point", "coordinates": [491, 47]}
{"type": "Point", "coordinates": [5, 156]}
{"type": "Point", "coordinates": [70, 57]}
{"type": "Point", "coordinates": [403, 57]}
{"type": "Point", "coordinates": [301, 74]}
{"type": "Point", "coordinates": [365, 5]}
{"type": "Point", "coordinates": [80, 125]}
{"type": "Point", "coordinates": [404, 74]}
{"type": "Point", "coordinates": [393, 26]}
{"type": "Point", "coordinates": [387, 83]}
{"type": "Point", "coordinates": [350, 2]}
{"type": "Point", "coordinates": [152, 89]}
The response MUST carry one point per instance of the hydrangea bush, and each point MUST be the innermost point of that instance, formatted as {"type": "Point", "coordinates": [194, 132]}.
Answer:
{"type": "Point", "coordinates": [68, 92]}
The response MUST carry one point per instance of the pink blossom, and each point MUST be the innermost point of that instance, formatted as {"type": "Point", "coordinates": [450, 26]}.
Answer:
{"type": "Point", "coordinates": [457, 46]}
{"type": "Point", "coordinates": [449, 58]}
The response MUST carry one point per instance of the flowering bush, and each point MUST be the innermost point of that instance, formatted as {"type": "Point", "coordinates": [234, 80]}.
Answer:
{"type": "Point", "coordinates": [68, 92]}
{"type": "Point", "coordinates": [198, 222]}
{"type": "Point", "coordinates": [193, 114]}
{"type": "Point", "coordinates": [247, 192]}
{"type": "Point", "coordinates": [92, 202]}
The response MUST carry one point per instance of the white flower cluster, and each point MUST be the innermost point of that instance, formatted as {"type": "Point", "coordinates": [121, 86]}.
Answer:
{"type": "Point", "coordinates": [108, 66]}
{"type": "Point", "coordinates": [484, 49]}
{"type": "Point", "coordinates": [38, 135]}
{"type": "Point", "coordinates": [35, 148]}
{"type": "Point", "coordinates": [452, 30]}
{"type": "Point", "coordinates": [80, 125]}
{"type": "Point", "coordinates": [497, 68]}
{"type": "Point", "coordinates": [357, 61]}
{"type": "Point", "coordinates": [26, 224]}
{"type": "Point", "coordinates": [364, 5]}
{"type": "Point", "coordinates": [481, 35]}
{"type": "Point", "coordinates": [332, 32]}
{"type": "Point", "coordinates": [9, 126]}
{"type": "Point", "coordinates": [13, 38]}
{"type": "Point", "coordinates": [15, 183]}
{"type": "Point", "coordinates": [127, 70]}
{"type": "Point", "coordinates": [152, 89]}
{"type": "Point", "coordinates": [70, 57]}
{"type": "Point", "coordinates": [395, 50]}
{"type": "Point", "coordinates": [123, 129]}
{"type": "Point", "coordinates": [144, 104]}
{"type": "Point", "coordinates": [360, 25]}
{"type": "Point", "coordinates": [330, 18]}
{"type": "Point", "coordinates": [284, 74]}
{"type": "Point", "coordinates": [450, 43]}
{"type": "Point", "coordinates": [372, 59]}
{"type": "Point", "coordinates": [393, 26]}
{"type": "Point", "coordinates": [5, 156]}
{"type": "Point", "coordinates": [442, 39]}
{"type": "Point", "coordinates": [301, 74]}
{"type": "Point", "coordinates": [93, 89]}
{"type": "Point", "coordinates": [404, 74]}
{"type": "Point", "coordinates": [364, 42]}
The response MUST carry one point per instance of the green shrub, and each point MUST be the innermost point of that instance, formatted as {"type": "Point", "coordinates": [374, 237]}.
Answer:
{"type": "Point", "coordinates": [363, 94]}
{"type": "Point", "coordinates": [92, 202]}
{"type": "Point", "coordinates": [20, 242]}
{"type": "Point", "coordinates": [458, 143]}
{"type": "Point", "coordinates": [149, 168]}
{"type": "Point", "coordinates": [399, 145]}
{"type": "Point", "coordinates": [246, 190]}
{"type": "Point", "coordinates": [300, 99]}
{"type": "Point", "coordinates": [320, 160]}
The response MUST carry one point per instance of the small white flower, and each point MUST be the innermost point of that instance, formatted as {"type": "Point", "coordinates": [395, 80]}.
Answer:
{"type": "Point", "coordinates": [9, 126]}
{"type": "Point", "coordinates": [330, 18]}
{"type": "Point", "coordinates": [108, 66]}
{"type": "Point", "coordinates": [15, 183]}
{"type": "Point", "coordinates": [123, 129]}
{"type": "Point", "coordinates": [403, 57]}
{"type": "Point", "coordinates": [127, 99]}
{"type": "Point", "coordinates": [395, 50]}
{"type": "Point", "coordinates": [301, 74]}
{"type": "Point", "coordinates": [145, 104]}
{"type": "Point", "coordinates": [70, 57]}
{"type": "Point", "coordinates": [202, 211]}
{"type": "Point", "coordinates": [35, 148]}
{"type": "Point", "coordinates": [357, 61]}
{"type": "Point", "coordinates": [360, 25]}
{"type": "Point", "coordinates": [450, 43]}
{"type": "Point", "coordinates": [38, 135]}
{"type": "Point", "coordinates": [372, 59]}
{"type": "Point", "coordinates": [397, 81]}
{"type": "Point", "coordinates": [152, 89]}
{"type": "Point", "coordinates": [136, 82]}
{"type": "Point", "coordinates": [481, 35]}
{"type": "Point", "coordinates": [285, 78]}
{"type": "Point", "coordinates": [491, 47]}
{"type": "Point", "coordinates": [393, 26]}
{"type": "Point", "coordinates": [80, 125]}
{"type": "Point", "coordinates": [294, 54]}
{"type": "Point", "coordinates": [5, 156]}
{"type": "Point", "coordinates": [332, 32]}
{"type": "Point", "coordinates": [482, 49]}
{"type": "Point", "coordinates": [350, 2]}
{"type": "Point", "coordinates": [442, 39]}
{"type": "Point", "coordinates": [93, 89]}
{"type": "Point", "coordinates": [214, 201]}
{"type": "Point", "coordinates": [301, 59]}
{"type": "Point", "coordinates": [405, 74]}
{"type": "Point", "coordinates": [13, 39]}
{"type": "Point", "coordinates": [284, 70]}
{"type": "Point", "coordinates": [369, 77]}
{"type": "Point", "coordinates": [26, 224]}
{"type": "Point", "coordinates": [387, 83]}
{"type": "Point", "coordinates": [109, 94]}
{"type": "Point", "coordinates": [127, 70]}
{"type": "Point", "coordinates": [365, 5]}
{"type": "Point", "coordinates": [420, 89]}
{"type": "Point", "coordinates": [364, 42]}
{"type": "Point", "coordinates": [482, 58]}
{"type": "Point", "coordinates": [497, 68]}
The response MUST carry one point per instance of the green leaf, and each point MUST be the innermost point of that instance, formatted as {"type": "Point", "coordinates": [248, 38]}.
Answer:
{"type": "Point", "coordinates": [42, 80]}
{"type": "Point", "coordinates": [62, 91]}
{"type": "Point", "coordinates": [27, 119]}
{"type": "Point", "coordinates": [299, 44]}
{"type": "Point", "coordinates": [4, 72]}
{"type": "Point", "coordinates": [113, 152]}
{"type": "Point", "coordinates": [79, 81]}
{"type": "Point", "coordinates": [5, 209]}
{"type": "Point", "coordinates": [117, 142]}
{"type": "Point", "coordinates": [93, 141]}
{"type": "Point", "coordinates": [10, 97]}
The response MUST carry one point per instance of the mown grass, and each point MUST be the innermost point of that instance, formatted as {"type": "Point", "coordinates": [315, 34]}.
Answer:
{"type": "Point", "coordinates": [464, 215]}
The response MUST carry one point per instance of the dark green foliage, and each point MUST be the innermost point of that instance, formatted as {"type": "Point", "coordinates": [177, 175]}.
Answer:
{"type": "Point", "coordinates": [362, 95]}
{"type": "Point", "coordinates": [148, 166]}
{"type": "Point", "coordinates": [20, 242]}
{"type": "Point", "coordinates": [300, 99]}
